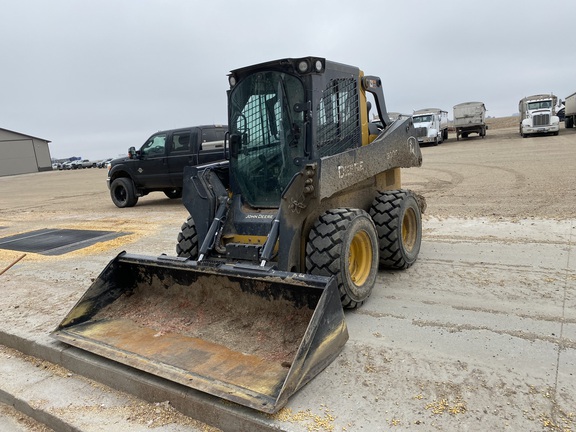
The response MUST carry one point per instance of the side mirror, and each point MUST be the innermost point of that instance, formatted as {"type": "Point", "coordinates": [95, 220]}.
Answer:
{"type": "Point", "coordinates": [132, 152]}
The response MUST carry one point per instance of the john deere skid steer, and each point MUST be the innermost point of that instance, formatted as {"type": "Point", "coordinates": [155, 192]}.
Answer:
{"type": "Point", "coordinates": [282, 236]}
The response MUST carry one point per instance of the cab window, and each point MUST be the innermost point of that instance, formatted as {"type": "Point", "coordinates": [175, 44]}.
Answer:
{"type": "Point", "coordinates": [181, 142]}
{"type": "Point", "coordinates": [154, 147]}
{"type": "Point", "coordinates": [213, 138]}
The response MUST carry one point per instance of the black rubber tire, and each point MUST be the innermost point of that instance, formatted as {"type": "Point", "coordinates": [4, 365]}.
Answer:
{"type": "Point", "coordinates": [173, 193]}
{"type": "Point", "coordinates": [187, 245]}
{"type": "Point", "coordinates": [398, 221]}
{"type": "Point", "coordinates": [122, 193]}
{"type": "Point", "coordinates": [344, 243]}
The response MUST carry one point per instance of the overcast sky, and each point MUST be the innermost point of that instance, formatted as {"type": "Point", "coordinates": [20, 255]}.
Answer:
{"type": "Point", "coordinates": [96, 77]}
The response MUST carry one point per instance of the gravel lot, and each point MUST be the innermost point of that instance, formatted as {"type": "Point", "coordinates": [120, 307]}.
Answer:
{"type": "Point", "coordinates": [500, 176]}
{"type": "Point", "coordinates": [480, 334]}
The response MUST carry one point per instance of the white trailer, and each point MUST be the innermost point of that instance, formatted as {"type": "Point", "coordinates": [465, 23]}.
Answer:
{"type": "Point", "coordinates": [538, 115]}
{"type": "Point", "coordinates": [470, 117]}
{"type": "Point", "coordinates": [431, 125]}
{"type": "Point", "coordinates": [570, 111]}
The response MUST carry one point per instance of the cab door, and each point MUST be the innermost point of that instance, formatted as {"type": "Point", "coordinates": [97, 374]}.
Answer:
{"type": "Point", "coordinates": [194, 147]}
{"type": "Point", "coordinates": [152, 165]}
{"type": "Point", "coordinates": [183, 153]}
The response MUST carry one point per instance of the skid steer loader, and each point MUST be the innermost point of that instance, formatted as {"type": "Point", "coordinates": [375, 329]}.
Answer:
{"type": "Point", "coordinates": [282, 236]}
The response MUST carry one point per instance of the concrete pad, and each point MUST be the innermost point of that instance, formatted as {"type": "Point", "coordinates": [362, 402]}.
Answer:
{"type": "Point", "coordinates": [478, 333]}
{"type": "Point", "coordinates": [64, 401]}
{"type": "Point", "coordinates": [12, 420]}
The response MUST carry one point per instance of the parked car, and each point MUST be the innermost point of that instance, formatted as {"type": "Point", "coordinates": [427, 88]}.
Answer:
{"type": "Point", "coordinates": [69, 165]}
{"type": "Point", "coordinates": [87, 163]}
{"type": "Point", "coordinates": [159, 164]}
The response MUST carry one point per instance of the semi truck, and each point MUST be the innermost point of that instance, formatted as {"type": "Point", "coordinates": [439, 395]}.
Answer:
{"type": "Point", "coordinates": [570, 111]}
{"type": "Point", "coordinates": [470, 117]}
{"type": "Point", "coordinates": [538, 115]}
{"type": "Point", "coordinates": [431, 125]}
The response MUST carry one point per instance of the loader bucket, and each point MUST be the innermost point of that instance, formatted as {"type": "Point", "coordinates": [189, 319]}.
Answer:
{"type": "Point", "coordinates": [242, 333]}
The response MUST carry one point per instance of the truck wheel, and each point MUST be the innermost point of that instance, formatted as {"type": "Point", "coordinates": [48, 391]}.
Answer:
{"type": "Point", "coordinates": [173, 193]}
{"type": "Point", "coordinates": [187, 240]}
{"type": "Point", "coordinates": [123, 193]}
{"type": "Point", "coordinates": [399, 225]}
{"type": "Point", "coordinates": [344, 243]}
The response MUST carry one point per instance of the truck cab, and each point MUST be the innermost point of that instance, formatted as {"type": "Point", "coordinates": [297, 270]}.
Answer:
{"type": "Point", "coordinates": [158, 165]}
{"type": "Point", "coordinates": [431, 125]}
{"type": "Point", "coordinates": [538, 115]}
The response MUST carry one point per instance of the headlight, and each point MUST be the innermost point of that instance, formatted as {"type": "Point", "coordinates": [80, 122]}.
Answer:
{"type": "Point", "coordinates": [308, 65]}
{"type": "Point", "coordinates": [303, 66]}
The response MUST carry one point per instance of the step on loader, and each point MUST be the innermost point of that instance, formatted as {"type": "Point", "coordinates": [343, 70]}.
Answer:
{"type": "Point", "coordinates": [283, 236]}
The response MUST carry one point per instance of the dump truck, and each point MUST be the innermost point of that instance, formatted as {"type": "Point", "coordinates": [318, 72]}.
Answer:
{"type": "Point", "coordinates": [431, 125]}
{"type": "Point", "coordinates": [570, 111]}
{"type": "Point", "coordinates": [538, 115]}
{"type": "Point", "coordinates": [469, 117]}
{"type": "Point", "coordinates": [282, 236]}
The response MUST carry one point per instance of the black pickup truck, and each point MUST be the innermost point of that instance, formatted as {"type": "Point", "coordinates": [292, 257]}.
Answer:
{"type": "Point", "coordinates": [159, 163]}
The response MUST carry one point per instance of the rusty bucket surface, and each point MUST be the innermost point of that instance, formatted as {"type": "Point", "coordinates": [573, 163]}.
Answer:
{"type": "Point", "coordinates": [245, 334]}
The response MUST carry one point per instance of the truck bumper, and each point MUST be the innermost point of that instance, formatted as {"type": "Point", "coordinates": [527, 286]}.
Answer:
{"type": "Point", "coordinates": [426, 140]}
{"type": "Point", "coordinates": [540, 129]}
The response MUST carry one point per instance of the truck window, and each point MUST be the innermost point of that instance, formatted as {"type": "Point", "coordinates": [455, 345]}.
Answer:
{"type": "Point", "coordinates": [181, 142]}
{"type": "Point", "coordinates": [539, 105]}
{"type": "Point", "coordinates": [154, 147]}
{"type": "Point", "coordinates": [422, 119]}
{"type": "Point", "coordinates": [212, 138]}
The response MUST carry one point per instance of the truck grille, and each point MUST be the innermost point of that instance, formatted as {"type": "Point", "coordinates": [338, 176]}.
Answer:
{"type": "Point", "coordinates": [542, 120]}
{"type": "Point", "coordinates": [421, 132]}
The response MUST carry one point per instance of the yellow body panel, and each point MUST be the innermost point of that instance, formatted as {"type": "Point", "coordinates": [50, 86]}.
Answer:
{"type": "Point", "coordinates": [366, 138]}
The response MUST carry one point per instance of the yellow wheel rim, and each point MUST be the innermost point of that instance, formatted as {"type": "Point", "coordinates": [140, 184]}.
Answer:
{"type": "Point", "coordinates": [360, 261]}
{"type": "Point", "coordinates": [409, 230]}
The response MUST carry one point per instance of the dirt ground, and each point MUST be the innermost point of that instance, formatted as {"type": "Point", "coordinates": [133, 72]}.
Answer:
{"type": "Point", "coordinates": [480, 334]}
{"type": "Point", "coordinates": [500, 176]}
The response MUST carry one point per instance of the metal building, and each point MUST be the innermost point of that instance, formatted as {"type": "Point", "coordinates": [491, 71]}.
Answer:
{"type": "Point", "coordinates": [21, 154]}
